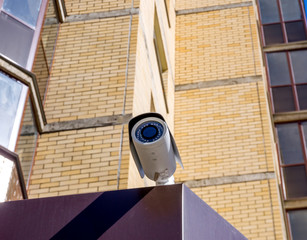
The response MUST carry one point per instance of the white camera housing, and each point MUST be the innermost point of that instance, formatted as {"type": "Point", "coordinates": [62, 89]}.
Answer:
{"type": "Point", "coordinates": [153, 147]}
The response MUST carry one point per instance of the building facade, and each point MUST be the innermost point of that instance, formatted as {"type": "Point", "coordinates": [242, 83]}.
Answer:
{"type": "Point", "coordinates": [228, 77]}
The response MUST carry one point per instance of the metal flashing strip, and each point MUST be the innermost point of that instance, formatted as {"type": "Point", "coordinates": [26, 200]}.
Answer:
{"type": "Point", "coordinates": [217, 83]}
{"type": "Point", "coordinates": [29, 79]}
{"type": "Point", "coordinates": [213, 8]}
{"type": "Point", "coordinates": [101, 15]}
{"type": "Point", "coordinates": [290, 116]}
{"type": "Point", "coordinates": [87, 123]}
{"type": "Point", "coordinates": [285, 46]}
{"type": "Point", "coordinates": [230, 179]}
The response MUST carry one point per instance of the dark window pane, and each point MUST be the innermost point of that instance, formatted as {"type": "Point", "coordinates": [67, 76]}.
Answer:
{"type": "Point", "coordinates": [299, 65]}
{"type": "Point", "coordinates": [278, 68]}
{"type": "Point", "coordinates": [302, 96]}
{"type": "Point", "coordinates": [295, 181]}
{"type": "Point", "coordinates": [273, 34]}
{"type": "Point", "coordinates": [291, 10]}
{"type": "Point", "coordinates": [283, 99]}
{"type": "Point", "coordinates": [26, 10]}
{"type": "Point", "coordinates": [269, 11]}
{"type": "Point", "coordinates": [15, 38]}
{"type": "Point", "coordinates": [290, 143]}
{"type": "Point", "coordinates": [298, 223]}
{"type": "Point", "coordinates": [295, 31]}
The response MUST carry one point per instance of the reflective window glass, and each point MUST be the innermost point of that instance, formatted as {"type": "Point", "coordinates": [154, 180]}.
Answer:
{"type": "Point", "coordinates": [299, 64]}
{"type": "Point", "coordinates": [290, 143]}
{"type": "Point", "coordinates": [278, 68]}
{"type": "Point", "coordinates": [12, 98]}
{"type": "Point", "coordinates": [26, 10]}
{"type": "Point", "coordinates": [283, 99]}
{"type": "Point", "coordinates": [302, 96]}
{"type": "Point", "coordinates": [10, 92]}
{"type": "Point", "coordinates": [290, 10]}
{"type": "Point", "coordinates": [295, 31]}
{"type": "Point", "coordinates": [298, 223]}
{"type": "Point", "coordinates": [269, 11]}
{"type": "Point", "coordinates": [273, 34]}
{"type": "Point", "coordinates": [295, 181]}
{"type": "Point", "coordinates": [16, 39]}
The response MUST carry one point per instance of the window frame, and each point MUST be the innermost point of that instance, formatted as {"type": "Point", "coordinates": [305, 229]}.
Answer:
{"type": "Point", "coordinates": [37, 31]}
{"type": "Point", "coordinates": [292, 84]}
{"type": "Point", "coordinates": [303, 140]}
{"type": "Point", "coordinates": [282, 22]}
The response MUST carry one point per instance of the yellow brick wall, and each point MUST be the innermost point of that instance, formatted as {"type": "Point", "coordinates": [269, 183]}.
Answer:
{"type": "Point", "coordinates": [79, 161]}
{"type": "Point", "coordinates": [216, 45]}
{"type": "Point", "coordinates": [89, 6]}
{"type": "Point", "coordinates": [219, 131]}
{"type": "Point", "coordinates": [88, 75]}
{"type": "Point", "coordinates": [191, 4]}
{"type": "Point", "coordinates": [225, 130]}
{"type": "Point", "coordinates": [248, 206]}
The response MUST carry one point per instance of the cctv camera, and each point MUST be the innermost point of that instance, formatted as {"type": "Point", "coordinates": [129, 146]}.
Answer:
{"type": "Point", "coordinates": [153, 147]}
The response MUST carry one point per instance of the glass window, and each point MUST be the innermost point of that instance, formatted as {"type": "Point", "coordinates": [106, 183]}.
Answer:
{"type": "Point", "coordinates": [299, 63]}
{"type": "Point", "coordinates": [295, 31]}
{"type": "Point", "coordinates": [302, 96]}
{"type": "Point", "coordinates": [290, 143]}
{"type": "Point", "coordinates": [269, 11]}
{"type": "Point", "coordinates": [12, 99]}
{"type": "Point", "coordinates": [283, 99]}
{"type": "Point", "coordinates": [273, 34]}
{"type": "Point", "coordinates": [290, 10]}
{"type": "Point", "coordinates": [26, 10]}
{"type": "Point", "coordinates": [288, 80]}
{"type": "Point", "coordinates": [16, 39]}
{"type": "Point", "coordinates": [278, 68]}
{"type": "Point", "coordinates": [298, 223]}
{"type": "Point", "coordinates": [288, 22]}
{"type": "Point", "coordinates": [295, 179]}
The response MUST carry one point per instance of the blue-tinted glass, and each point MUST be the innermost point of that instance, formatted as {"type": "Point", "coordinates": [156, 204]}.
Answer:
{"type": "Point", "coordinates": [10, 92]}
{"type": "Point", "coordinates": [299, 64]}
{"type": "Point", "coordinates": [269, 11]}
{"type": "Point", "coordinates": [290, 145]}
{"type": "Point", "coordinates": [149, 132]}
{"type": "Point", "coordinates": [291, 10]}
{"type": "Point", "coordinates": [278, 68]}
{"type": "Point", "coordinates": [298, 224]}
{"type": "Point", "coordinates": [26, 10]}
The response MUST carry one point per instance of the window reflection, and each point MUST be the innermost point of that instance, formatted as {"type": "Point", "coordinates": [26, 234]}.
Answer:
{"type": "Point", "coordinates": [26, 10]}
{"type": "Point", "coordinates": [12, 97]}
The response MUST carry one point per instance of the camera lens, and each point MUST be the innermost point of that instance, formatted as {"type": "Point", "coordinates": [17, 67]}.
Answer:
{"type": "Point", "coordinates": [149, 132]}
